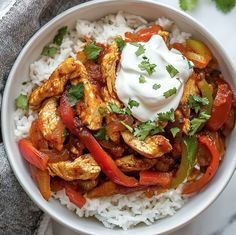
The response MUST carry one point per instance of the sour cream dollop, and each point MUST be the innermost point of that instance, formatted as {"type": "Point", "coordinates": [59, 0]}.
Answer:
{"type": "Point", "coordinates": [150, 97]}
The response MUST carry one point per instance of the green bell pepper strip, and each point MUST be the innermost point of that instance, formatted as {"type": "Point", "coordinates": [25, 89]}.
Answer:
{"type": "Point", "coordinates": [189, 151]}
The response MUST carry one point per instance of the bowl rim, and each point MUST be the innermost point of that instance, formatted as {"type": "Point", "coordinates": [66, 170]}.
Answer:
{"type": "Point", "coordinates": [4, 118]}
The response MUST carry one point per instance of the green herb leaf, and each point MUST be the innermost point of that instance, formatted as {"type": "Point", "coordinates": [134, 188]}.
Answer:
{"type": "Point", "coordinates": [225, 5]}
{"type": "Point", "coordinates": [60, 35]}
{"type": "Point", "coordinates": [127, 126]}
{"type": "Point", "coordinates": [146, 66]}
{"type": "Point", "coordinates": [147, 128]}
{"type": "Point", "coordinates": [76, 92]}
{"type": "Point", "coordinates": [174, 131]}
{"type": "Point", "coordinates": [101, 134]}
{"type": "Point", "coordinates": [196, 101]}
{"type": "Point", "coordinates": [142, 79]}
{"type": "Point", "coordinates": [170, 92]}
{"type": "Point", "coordinates": [49, 51]}
{"type": "Point", "coordinates": [22, 102]}
{"type": "Point", "coordinates": [172, 70]}
{"type": "Point", "coordinates": [167, 116]}
{"type": "Point", "coordinates": [133, 103]}
{"type": "Point", "coordinates": [92, 51]}
{"type": "Point", "coordinates": [128, 111]}
{"type": "Point", "coordinates": [188, 5]}
{"type": "Point", "coordinates": [101, 110]}
{"type": "Point", "coordinates": [156, 86]}
{"type": "Point", "coordinates": [120, 43]}
{"type": "Point", "coordinates": [140, 50]}
{"type": "Point", "coordinates": [115, 109]}
{"type": "Point", "coordinates": [197, 123]}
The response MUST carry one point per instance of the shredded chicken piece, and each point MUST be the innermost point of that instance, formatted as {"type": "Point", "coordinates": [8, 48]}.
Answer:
{"type": "Point", "coordinates": [50, 124]}
{"type": "Point", "coordinates": [69, 69]}
{"type": "Point", "coordinates": [153, 147]}
{"type": "Point", "coordinates": [131, 163]}
{"type": "Point", "coordinates": [83, 168]}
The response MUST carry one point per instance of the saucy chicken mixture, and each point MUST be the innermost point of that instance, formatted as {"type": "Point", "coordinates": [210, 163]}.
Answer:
{"type": "Point", "coordinates": [92, 139]}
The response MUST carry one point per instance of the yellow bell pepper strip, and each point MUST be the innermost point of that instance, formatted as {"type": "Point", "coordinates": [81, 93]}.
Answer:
{"type": "Point", "coordinates": [198, 184]}
{"type": "Point", "coordinates": [189, 151]}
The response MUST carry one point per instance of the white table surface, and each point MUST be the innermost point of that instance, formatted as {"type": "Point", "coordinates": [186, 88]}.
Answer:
{"type": "Point", "coordinates": [220, 217]}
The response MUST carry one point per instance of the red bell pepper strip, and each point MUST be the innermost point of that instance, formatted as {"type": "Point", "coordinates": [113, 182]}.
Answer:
{"type": "Point", "coordinates": [148, 178]}
{"type": "Point", "coordinates": [74, 196]}
{"type": "Point", "coordinates": [105, 161]}
{"type": "Point", "coordinates": [32, 155]}
{"type": "Point", "coordinates": [197, 185]}
{"type": "Point", "coordinates": [221, 107]}
{"type": "Point", "coordinates": [42, 179]}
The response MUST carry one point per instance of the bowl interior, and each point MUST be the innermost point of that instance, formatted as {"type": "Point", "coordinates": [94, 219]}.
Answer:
{"type": "Point", "coordinates": [20, 72]}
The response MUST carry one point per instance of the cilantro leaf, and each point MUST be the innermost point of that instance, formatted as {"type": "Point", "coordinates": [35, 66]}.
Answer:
{"type": "Point", "coordinates": [140, 50]}
{"type": "Point", "coordinates": [128, 111]}
{"type": "Point", "coordinates": [225, 5]}
{"type": "Point", "coordinates": [156, 86]}
{"type": "Point", "coordinates": [101, 134]}
{"type": "Point", "coordinates": [167, 116]}
{"type": "Point", "coordinates": [120, 43]}
{"type": "Point", "coordinates": [195, 101]}
{"type": "Point", "coordinates": [197, 123]}
{"type": "Point", "coordinates": [22, 102]}
{"type": "Point", "coordinates": [130, 129]}
{"type": "Point", "coordinates": [92, 51]}
{"type": "Point", "coordinates": [170, 92]}
{"type": "Point", "coordinates": [142, 79]}
{"type": "Point", "coordinates": [145, 129]}
{"type": "Point", "coordinates": [133, 103]}
{"type": "Point", "coordinates": [115, 109]}
{"type": "Point", "coordinates": [174, 131]}
{"type": "Point", "coordinates": [76, 92]}
{"type": "Point", "coordinates": [49, 51]}
{"type": "Point", "coordinates": [146, 66]}
{"type": "Point", "coordinates": [60, 35]}
{"type": "Point", "coordinates": [172, 70]}
{"type": "Point", "coordinates": [188, 5]}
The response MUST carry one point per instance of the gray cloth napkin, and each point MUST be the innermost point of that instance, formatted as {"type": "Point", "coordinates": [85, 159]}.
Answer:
{"type": "Point", "coordinates": [18, 214]}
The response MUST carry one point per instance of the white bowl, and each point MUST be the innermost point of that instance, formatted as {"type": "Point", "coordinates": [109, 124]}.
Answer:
{"type": "Point", "coordinates": [20, 71]}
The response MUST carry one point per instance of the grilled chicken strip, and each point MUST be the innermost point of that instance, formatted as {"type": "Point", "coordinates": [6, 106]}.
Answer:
{"type": "Point", "coordinates": [131, 163]}
{"type": "Point", "coordinates": [69, 69]}
{"type": "Point", "coordinates": [153, 147]}
{"type": "Point", "coordinates": [50, 124]}
{"type": "Point", "coordinates": [83, 168]}
{"type": "Point", "coordinates": [108, 66]}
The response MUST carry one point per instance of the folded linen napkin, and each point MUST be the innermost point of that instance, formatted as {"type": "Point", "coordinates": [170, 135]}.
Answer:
{"type": "Point", "coordinates": [18, 214]}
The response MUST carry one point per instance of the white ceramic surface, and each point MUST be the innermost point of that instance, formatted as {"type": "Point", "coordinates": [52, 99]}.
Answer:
{"type": "Point", "coordinates": [20, 73]}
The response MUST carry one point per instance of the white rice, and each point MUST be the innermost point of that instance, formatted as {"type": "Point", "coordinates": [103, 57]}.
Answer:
{"type": "Point", "coordinates": [124, 211]}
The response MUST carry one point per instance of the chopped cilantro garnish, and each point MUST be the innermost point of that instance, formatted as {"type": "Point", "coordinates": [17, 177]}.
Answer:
{"type": "Point", "coordinates": [188, 5]}
{"type": "Point", "coordinates": [60, 35]}
{"type": "Point", "coordinates": [22, 102]}
{"type": "Point", "coordinates": [101, 134]}
{"type": "Point", "coordinates": [170, 92]}
{"type": "Point", "coordinates": [146, 66]}
{"type": "Point", "coordinates": [174, 131]}
{"type": "Point", "coordinates": [196, 101]}
{"type": "Point", "coordinates": [167, 116]}
{"type": "Point", "coordinates": [133, 103]}
{"type": "Point", "coordinates": [128, 111]}
{"type": "Point", "coordinates": [120, 43]}
{"type": "Point", "coordinates": [115, 109]}
{"type": "Point", "coordinates": [49, 51]}
{"type": "Point", "coordinates": [92, 51]}
{"type": "Point", "coordinates": [140, 50]}
{"type": "Point", "coordinates": [142, 79]}
{"type": "Point", "coordinates": [172, 70]}
{"type": "Point", "coordinates": [197, 123]}
{"type": "Point", "coordinates": [145, 129]}
{"type": "Point", "coordinates": [225, 5]}
{"type": "Point", "coordinates": [130, 129]}
{"type": "Point", "coordinates": [156, 86]}
{"type": "Point", "coordinates": [101, 110]}
{"type": "Point", "coordinates": [76, 92]}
